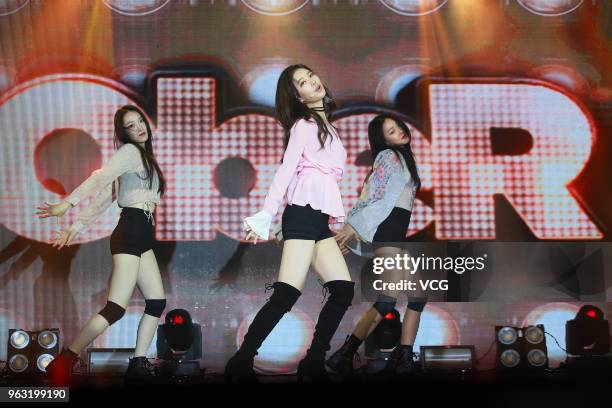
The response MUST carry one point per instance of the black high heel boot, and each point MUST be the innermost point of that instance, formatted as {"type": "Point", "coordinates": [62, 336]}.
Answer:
{"type": "Point", "coordinates": [240, 366]}
{"type": "Point", "coordinates": [313, 365]}
{"type": "Point", "coordinates": [341, 362]}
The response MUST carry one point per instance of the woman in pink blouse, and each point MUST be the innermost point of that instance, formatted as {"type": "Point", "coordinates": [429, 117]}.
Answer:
{"type": "Point", "coordinates": [311, 168]}
{"type": "Point", "coordinates": [133, 177]}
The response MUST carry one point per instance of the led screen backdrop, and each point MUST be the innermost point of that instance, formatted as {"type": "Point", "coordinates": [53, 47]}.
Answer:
{"type": "Point", "coordinates": [509, 103]}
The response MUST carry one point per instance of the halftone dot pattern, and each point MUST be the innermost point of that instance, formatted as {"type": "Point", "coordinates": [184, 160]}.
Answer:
{"type": "Point", "coordinates": [190, 147]}
{"type": "Point", "coordinates": [27, 114]}
{"type": "Point", "coordinates": [467, 174]}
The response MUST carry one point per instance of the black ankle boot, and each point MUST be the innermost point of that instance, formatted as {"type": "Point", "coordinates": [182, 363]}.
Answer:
{"type": "Point", "coordinates": [401, 362]}
{"type": "Point", "coordinates": [59, 370]}
{"type": "Point", "coordinates": [313, 367]}
{"type": "Point", "coordinates": [239, 368]}
{"type": "Point", "coordinates": [405, 363]}
{"type": "Point", "coordinates": [139, 371]}
{"type": "Point", "coordinates": [341, 362]}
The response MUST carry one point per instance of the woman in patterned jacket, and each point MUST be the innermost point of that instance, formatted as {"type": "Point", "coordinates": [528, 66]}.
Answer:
{"type": "Point", "coordinates": [381, 217]}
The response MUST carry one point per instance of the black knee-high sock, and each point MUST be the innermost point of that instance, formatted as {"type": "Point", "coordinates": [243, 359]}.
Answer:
{"type": "Point", "coordinates": [341, 295]}
{"type": "Point", "coordinates": [353, 344]}
{"type": "Point", "coordinates": [281, 301]}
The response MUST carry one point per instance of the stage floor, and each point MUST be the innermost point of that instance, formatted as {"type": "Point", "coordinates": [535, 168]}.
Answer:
{"type": "Point", "coordinates": [586, 388]}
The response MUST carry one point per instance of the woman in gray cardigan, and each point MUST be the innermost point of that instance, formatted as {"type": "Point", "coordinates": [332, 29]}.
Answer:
{"type": "Point", "coordinates": [381, 216]}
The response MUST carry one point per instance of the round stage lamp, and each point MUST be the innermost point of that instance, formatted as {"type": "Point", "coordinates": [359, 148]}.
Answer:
{"type": "Point", "coordinates": [20, 339]}
{"type": "Point", "coordinates": [413, 7]}
{"type": "Point", "coordinates": [550, 8]}
{"type": "Point", "coordinates": [47, 339]}
{"type": "Point", "coordinates": [534, 335]}
{"type": "Point", "coordinates": [510, 358]}
{"type": "Point", "coordinates": [43, 361]}
{"type": "Point", "coordinates": [536, 358]}
{"type": "Point", "coordinates": [507, 335]}
{"type": "Point", "coordinates": [135, 7]}
{"type": "Point", "coordinates": [275, 8]}
{"type": "Point", "coordinates": [18, 363]}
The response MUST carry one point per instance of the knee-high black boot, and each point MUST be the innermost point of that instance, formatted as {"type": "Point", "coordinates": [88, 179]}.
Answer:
{"type": "Point", "coordinates": [240, 366]}
{"type": "Point", "coordinates": [340, 297]}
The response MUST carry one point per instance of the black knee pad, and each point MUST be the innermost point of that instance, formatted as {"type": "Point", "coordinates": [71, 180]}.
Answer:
{"type": "Point", "coordinates": [384, 304]}
{"type": "Point", "coordinates": [284, 296]}
{"type": "Point", "coordinates": [341, 292]}
{"type": "Point", "coordinates": [112, 312]}
{"type": "Point", "coordinates": [155, 307]}
{"type": "Point", "coordinates": [416, 306]}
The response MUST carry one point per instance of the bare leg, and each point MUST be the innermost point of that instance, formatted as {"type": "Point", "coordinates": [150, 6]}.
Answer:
{"type": "Point", "coordinates": [123, 281]}
{"type": "Point", "coordinates": [151, 286]}
{"type": "Point", "coordinates": [329, 262]}
{"type": "Point", "coordinates": [410, 327]}
{"type": "Point", "coordinates": [295, 262]}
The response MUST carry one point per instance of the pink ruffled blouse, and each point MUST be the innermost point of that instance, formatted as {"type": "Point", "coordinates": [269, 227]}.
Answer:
{"type": "Point", "coordinates": [309, 174]}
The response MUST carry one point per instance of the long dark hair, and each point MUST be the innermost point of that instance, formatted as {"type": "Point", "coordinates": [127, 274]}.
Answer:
{"type": "Point", "coordinates": [378, 144]}
{"type": "Point", "coordinates": [289, 109]}
{"type": "Point", "coordinates": [148, 158]}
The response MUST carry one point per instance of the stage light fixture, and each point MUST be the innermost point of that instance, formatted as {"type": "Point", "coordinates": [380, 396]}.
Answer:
{"type": "Point", "coordinates": [18, 363]}
{"type": "Point", "coordinates": [43, 361]}
{"type": "Point", "coordinates": [275, 8]}
{"type": "Point", "coordinates": [29, 352]}
{"type": "Point", "coordinates": [534, 334]}
{"type": "Point", "coordinates": [550, 8]}
{"type": "Point", "coordinates": [510, 358]}
{"type": "Point", "coordinates": [507, 335]}
{"type": "Point", "coordinates": [19, 339]}
{"type": "Point", "coordinates": [385, 336]}
{"type": "Point", "coordinates": [47, 339]}
{"type": "Point", "coordinates": [179, 344]}
{"type": "Point", "coordinates": [447, 358]}
{"type": "Point", "coordinates": [521, 347]}
{"type": "Point", "coordinates": [414, 8]}
{"type": "Point", "coordinates": [535, 350]}
{"type": "Point", "coordinates": [588, 334]}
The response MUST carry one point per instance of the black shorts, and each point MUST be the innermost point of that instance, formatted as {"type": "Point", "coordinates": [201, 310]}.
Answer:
{"type": "Point", "coordinates": [134, 233]}
{"type": "Point", "coordinates": [394, 227]}
{"type": "Point", "coordinates": [301, 222]}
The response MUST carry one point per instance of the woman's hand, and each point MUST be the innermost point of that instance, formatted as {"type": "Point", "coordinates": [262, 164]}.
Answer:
{"type": "Point", "coordinates": [63, 237]}
{"type": "Point", "coordinates": [346, 233]}
{"type": "Point", "coordinates": [250, 234]}
{"type": "Point", "coordinates": [53, 210]}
